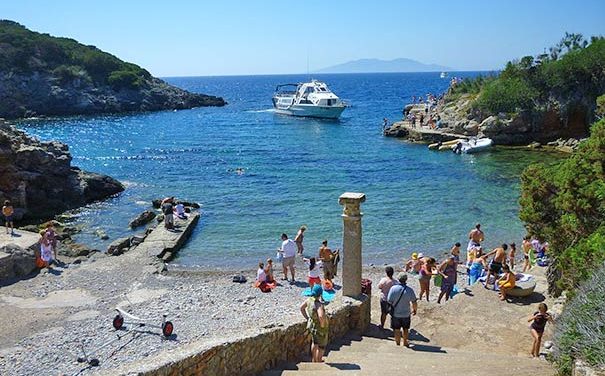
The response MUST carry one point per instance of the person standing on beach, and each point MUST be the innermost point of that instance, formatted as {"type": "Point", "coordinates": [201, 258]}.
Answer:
{"type": "Point", "coordinates": [300, 236]}
{"type": "Point", "coordinates": [288, 251]}
{"type": "Point", "coordinates": [538, 323]}
{"type": "Point", "coordinates": [401, 297]}
{"type": "Point", "coordinates": [168, 211]}
{"type": "Point", "coordinates": [455, 251]}
{"type": "Point", "coordinates": [314, 312]}
{"type": "Point", "coordinates": [476, 236]}
{"type": "Point", "coordinates": [495, 267]}
{"type": "Point", "coordinates": [512, 255]}
{"type": "Point", "coordinates": [425, 278]}
{"type": "Point", "coordinates": [7, 213]}
{"type": "Point", "coordinates": [52, 238]}
{"type": "Point", "coordinates": [527, 248]}
{"type": "Point", "coordinates": [328, 257]}
{"type": "Point", "coordinates": [449, 272]}
{"type": "Point", "coordinates": [384, 286]}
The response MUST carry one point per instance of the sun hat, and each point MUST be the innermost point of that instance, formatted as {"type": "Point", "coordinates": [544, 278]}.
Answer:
{"type": "Point", "coordinates": [317, 290]}
{"type": "Point", "coordinates": [414, 255]}
{"type": "Point", "coordinates": [420, 255]}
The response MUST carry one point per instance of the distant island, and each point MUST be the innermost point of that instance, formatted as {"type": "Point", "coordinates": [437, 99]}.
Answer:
{"type": "Point", "coordinates": [383, 66]}
{"type": "Point", "coordinates": [42, 75]}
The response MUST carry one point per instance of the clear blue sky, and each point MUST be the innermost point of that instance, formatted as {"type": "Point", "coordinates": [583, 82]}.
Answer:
{"type": "Point", "coordinates": [224, 37]}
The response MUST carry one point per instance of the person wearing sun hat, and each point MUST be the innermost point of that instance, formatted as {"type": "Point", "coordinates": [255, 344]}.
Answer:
{"type": "Point", "coordinates": [414, 264]}
{"type": "Point", "coordinates": [313, 311]}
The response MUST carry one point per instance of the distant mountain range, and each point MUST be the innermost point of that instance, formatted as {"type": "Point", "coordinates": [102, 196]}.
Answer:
{"type": "Point", "coordinates": [377, 65]}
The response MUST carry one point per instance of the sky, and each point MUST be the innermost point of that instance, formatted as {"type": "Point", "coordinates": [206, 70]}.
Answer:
{"type": "Point", "coordinates": [227, 37]}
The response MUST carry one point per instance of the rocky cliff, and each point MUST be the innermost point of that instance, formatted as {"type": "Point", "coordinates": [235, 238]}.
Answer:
{"type": "Point", "coordinates": [45, 75]}
{"type": "Point", "coordinates": [39, 180]}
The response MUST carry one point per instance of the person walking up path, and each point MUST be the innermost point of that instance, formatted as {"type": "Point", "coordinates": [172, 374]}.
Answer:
{"type": "Point", "coordinates": [404, 304]}
{"type": "Point", "coordinates": [314, 312]}
{"type": "Point", "coordinates": [384, 286]}
{"type": "Point", "coordinates": [288, 251]}
{"type": "Point", "coordinates": [7, 213]}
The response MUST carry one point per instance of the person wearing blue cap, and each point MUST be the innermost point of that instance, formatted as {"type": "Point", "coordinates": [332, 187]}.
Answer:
{"type": "Point", "coordinates": [317, 323]}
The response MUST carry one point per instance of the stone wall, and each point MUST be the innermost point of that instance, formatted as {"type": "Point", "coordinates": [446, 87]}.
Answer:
{"type": "Point", "coordinates": [582, 369]}
{"type": "Point", "coordinates": [252, 355]}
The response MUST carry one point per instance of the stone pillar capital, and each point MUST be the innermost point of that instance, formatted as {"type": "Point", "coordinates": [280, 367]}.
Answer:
{"type": "Point", "coordinates": [352, 203]}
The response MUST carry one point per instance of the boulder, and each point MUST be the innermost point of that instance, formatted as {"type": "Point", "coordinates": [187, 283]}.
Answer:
{"type": "Point", "coordinates": [142, 219]}
{"type": "Point", "coordinates": [472, 128]}
{"type": "Point", "coordinates": [118, 246]}
{"type": "Point", "coordinates": [490, 124]}
{"type": "Point", "coordinates": [16, 261]}
{"type": "Point", "coordinates": [535, 145]}
{"type": "Point", "coordinates": [101, 234]}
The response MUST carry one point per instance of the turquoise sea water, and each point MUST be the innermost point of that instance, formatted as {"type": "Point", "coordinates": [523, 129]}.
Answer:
{"type": "Point", "coordinates": [295, 169]}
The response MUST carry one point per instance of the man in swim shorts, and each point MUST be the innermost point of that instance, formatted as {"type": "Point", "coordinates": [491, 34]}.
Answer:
{"type": "Point", "coordinates": [288, 250]}
{"type": "Point", "coordinates": [7, 213]}
{"type": "Point", "coordinates": [476, 236]}
{"type": "Point", "coordinates": [495, 267]}
{"type": "Point", "coordinates": [327, 257]}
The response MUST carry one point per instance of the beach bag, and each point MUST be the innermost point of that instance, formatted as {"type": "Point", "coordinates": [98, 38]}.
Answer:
{"type": "Point", "coordinates": [438, 280]}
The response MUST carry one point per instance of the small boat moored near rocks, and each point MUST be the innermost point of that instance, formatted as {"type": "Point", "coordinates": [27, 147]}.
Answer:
{"type": "Point", "coordinates": [309, 99]}
{"type": "Point", "coordinates": [472, 146]}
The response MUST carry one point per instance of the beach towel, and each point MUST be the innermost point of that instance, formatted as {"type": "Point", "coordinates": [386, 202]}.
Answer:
{"type": "Point", "coordinates": [327, 295]}
{"type": "Point", "coordinates": [438, 280]}
{"type": "Point", "coordinates": [520, 277]}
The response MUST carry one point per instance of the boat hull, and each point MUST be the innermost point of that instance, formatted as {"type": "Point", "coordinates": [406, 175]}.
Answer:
{"type": "Point", "coordinates": [322, 112]}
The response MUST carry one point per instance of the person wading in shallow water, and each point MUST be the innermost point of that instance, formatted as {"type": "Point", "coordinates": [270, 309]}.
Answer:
{"type": "Point", "coordinates": [401, 297]}
{"type": "Point", "coordinates": [299, 238]}
{"type": "Point", "coordinates": [476, 236]}
{"type": "Point", "coordinates": [317, 323]}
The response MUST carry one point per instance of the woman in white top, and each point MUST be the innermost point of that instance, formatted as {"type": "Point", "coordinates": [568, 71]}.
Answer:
{"type": "Point", "coordinates": [314, 271]}
{"type": "Point", "coordinates": [261, 276]}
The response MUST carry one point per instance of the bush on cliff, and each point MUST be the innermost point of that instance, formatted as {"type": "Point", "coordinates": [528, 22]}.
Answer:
{"type": "Point", "coordinates": [579, 332]}
{"type": "Point", "coordinates": [25, 51]}
{"type": "Point", "coordinates": [573, 72]}
{"type": "Point", "coordinates": [565, 204]}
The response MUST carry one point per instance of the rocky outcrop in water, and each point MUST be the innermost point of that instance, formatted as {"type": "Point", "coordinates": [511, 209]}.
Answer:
{"type": "Point", "coordinates": [39, 180]}
{"type": "Point", "coordinates": [45, 75]}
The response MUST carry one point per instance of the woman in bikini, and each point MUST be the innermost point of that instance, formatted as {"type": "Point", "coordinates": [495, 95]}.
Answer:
{"type": "Point", "coordinates": [425, 278]}
{"type": "Point", "coordinates": [538, 322]}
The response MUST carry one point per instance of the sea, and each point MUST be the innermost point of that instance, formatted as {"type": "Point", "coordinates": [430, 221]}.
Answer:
{"type": "Point", "coordinates": [293, 171]}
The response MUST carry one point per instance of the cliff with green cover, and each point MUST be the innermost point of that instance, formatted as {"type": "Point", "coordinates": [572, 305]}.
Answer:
{"type": "Point", "coordinates": [45, 75]}
{"type": "Point", "coordinates": [534, 99]}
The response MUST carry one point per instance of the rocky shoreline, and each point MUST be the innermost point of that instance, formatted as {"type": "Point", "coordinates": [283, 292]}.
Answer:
{"type": "Point", "coordinates": [455, 119]}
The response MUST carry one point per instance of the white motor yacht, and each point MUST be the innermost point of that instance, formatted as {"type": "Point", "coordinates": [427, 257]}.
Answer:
{"type": "Point", "coordinates": [309, 99]}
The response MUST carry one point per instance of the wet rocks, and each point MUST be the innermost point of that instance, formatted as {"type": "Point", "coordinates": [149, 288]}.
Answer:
{"type": "Point", "coordinates": [142, 219]}
{"type": "Point", "coordinates": [118, 246]}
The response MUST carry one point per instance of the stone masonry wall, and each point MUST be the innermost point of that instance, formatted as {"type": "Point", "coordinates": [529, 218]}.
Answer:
{"type": "Point", "coordinates": [253, 355]}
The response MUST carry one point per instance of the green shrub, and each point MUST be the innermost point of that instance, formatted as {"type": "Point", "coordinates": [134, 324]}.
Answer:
{"type": "Point", "coordinates": [600, 111]}
{"type": "Point", "coordinates": [68, 73]}
{"type": "Point", "coordinates": [565, 204]}
{"type": "Point", "coordinates": [579, 331]}
{"type": "Point", "coordinates": [124, 80]}
{"type": "Point", "coordinates": [506, 95]}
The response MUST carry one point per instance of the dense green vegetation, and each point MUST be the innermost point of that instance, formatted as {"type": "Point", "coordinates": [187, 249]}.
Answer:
{"type": "Point", "coordinates": [579, 331]}
{"type": "Point", "coordinates": [25, 51]}
{"type": "Point", "coordinates": [573, 69]}
{"type": "Point", "coordinates": [565, 204]}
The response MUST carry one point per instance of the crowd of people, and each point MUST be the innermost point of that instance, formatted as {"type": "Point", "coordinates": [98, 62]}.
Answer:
{"type": "Point", "coordinates": [426, 117]}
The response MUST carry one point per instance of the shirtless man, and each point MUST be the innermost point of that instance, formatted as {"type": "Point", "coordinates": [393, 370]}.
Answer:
{"type": "Point", "coordinates": [327, 256]}
{"type": "Point", "coordinates": [476, 236]}
{"type": "Point", "coordinates": [495, 267]}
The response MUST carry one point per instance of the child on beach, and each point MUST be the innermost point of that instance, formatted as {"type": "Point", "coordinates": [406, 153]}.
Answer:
{"type": "Point", "coordinates": [269, 271]}
{"type": "Point", "coordinates": [527, 248]}
{"type": "Point", "coordinates": [538, 323]}
{"type": "Point", "coordinates": [46, 253]}
{"type": "Point", "coordinates": [511, 255]}
{"type": "Point", "coordinates": [7, 213]}
{"type": "Point", "coordinates": [506, 282]}
{"type": "Point", "coordinates": [314, 270]}
{"type": "Point", "coordinates": [52, 238]}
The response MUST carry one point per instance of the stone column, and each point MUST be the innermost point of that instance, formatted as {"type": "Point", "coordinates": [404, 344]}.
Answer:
{"type": "Point", "coordinates": [351, 243]}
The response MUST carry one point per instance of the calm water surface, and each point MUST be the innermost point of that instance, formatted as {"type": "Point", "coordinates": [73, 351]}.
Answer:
{"type": "Point", "coordinates": [295, 169]}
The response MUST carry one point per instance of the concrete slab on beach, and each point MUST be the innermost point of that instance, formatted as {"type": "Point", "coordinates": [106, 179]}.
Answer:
{"type": "Point", "coordinates": [164, 243]}
{"type": "Point", "coordinates": [24, 239]}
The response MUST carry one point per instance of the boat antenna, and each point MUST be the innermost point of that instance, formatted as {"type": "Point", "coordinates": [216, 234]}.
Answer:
{"type": "Point", "coordinates": [308, 73]}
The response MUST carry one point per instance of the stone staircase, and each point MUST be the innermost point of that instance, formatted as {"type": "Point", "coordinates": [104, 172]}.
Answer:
{"type": "Point", "coordinates": [375, 353]}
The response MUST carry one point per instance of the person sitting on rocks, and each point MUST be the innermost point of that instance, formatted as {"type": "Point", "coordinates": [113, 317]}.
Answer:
{"type": "Point", "coordinates": [314, 312]}
{"type": "Point", "coordinates": [179, 209]}
{"type": "Point", "coordinates": [7, 213]}
{"type": "Point", "coordinates": [506, 282]}
{"type": "Point", "coordinates": [314, 270]}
